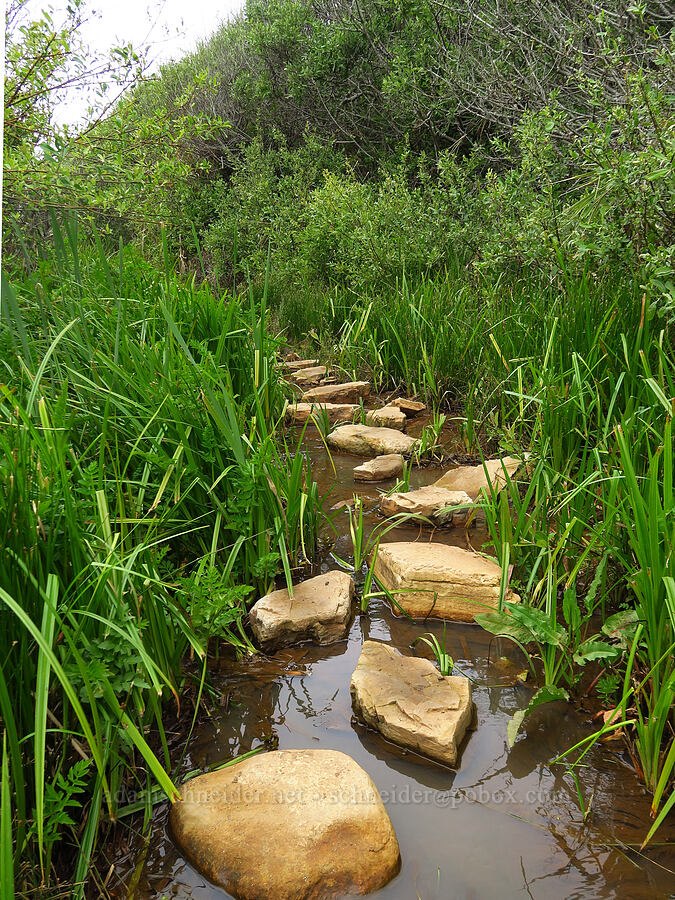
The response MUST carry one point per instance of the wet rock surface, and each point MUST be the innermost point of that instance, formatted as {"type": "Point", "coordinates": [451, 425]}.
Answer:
{"type": "Point", "coordinates": [437, 580]}
{"type": "Point", "coordinates": [381, 468]}
{"type": "Point", "coordinates": [410, 703]}
{"type": "Point", "coordinates": [365, 440]}
{"type": "Point", "coordinates": [346, 392]}
{"type": "Point", "coordinates": [319, 611]}
{"type": "Point", "coordinates": [473, 479]}
{"type": "Point", "coordinates": [438, 504]}
{"type": "Point", "coordinates": [288, 825]}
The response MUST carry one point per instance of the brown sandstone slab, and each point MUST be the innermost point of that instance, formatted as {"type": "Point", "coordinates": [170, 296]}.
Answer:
{"type": "Point", "coordinates": [299, 413]}
{"type": "Point", "coordinates": [296, 364]}
{"type": "Point", "coordinates": [432, 579]}
{"type": "Point", "coordinates": [380, 469]}
{"type": "Point", "coordinates": [366, 440]}
{"type": "Point", "coordinates": [432, 502]}
{"type": "Point", "coordinates": [473, 480]}
{"type": "Point", "coordinates": [347, 392]}
{"type": "Point", "coordinates": [411, 703]}
{"type": "Point", "coordinates": [288, 825]}
{"type": "Point", "coordinates": [319, 611]}
{"type": "Point", "coordinates": [386, 417]}
{"type": "Point", "coordinates": [409, 407]}
{"type": "Point", "coordinates": [312, 375]}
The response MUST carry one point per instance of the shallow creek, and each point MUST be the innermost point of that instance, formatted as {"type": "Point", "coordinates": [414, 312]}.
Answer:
{"type": "Point", "coordinates": [505, 825]}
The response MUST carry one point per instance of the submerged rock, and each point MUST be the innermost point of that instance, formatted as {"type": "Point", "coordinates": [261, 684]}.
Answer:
{"type": "Point", "coordinates": [311, 375]}
{"type": "Point", "coordinates": [436, 503]}
{"type": "Point", "coordinates": [473, 480]}
{"type": "Point", "coordinates": [319, 611]}
{"type": "Point", "coordinates": [288, 825]}
{"type": "Point", "coordinates": [432, 579]}
{"type": "Point", "coordinates": [411, 703]}
{"type": "Point", "coordinates": [348, 392]}
{"type": "Point", "coordinates": [409, 407]}
{"type": "Point", "coordinates": [366, 440]}
{"type": "Point", "coordinates": [386, 417]}
{"type": "Point", "coordinates": [380, 469]}
{"type": "Point", "coordinates": [299, 413]}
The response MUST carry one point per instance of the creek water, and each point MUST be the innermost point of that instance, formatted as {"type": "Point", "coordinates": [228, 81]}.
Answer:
{"type": "Point", "coordinates": [504, 825]}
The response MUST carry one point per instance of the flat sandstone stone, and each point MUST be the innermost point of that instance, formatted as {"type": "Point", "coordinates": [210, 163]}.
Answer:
{"type": "Point", "coordinates": [294, 365]}
{"type": "Point", "coordinates": [386, 417]}
{"type": "Point", "coordinates": [411, 703]}
{"type": "Point", "coordinates": [309, 376]}
{"type": "Point", "coordinates": [348, 392]}
{"type": "Point", "coordinates": [409, 407]}
{"type": "Point", "coordinates": [288, 825]}
{"type": "Point", "coordinates": [299, 413]}
{"type": "Point", "coordinates": [365, 440]}
{"type": "Point", "coordinates": [432, 579]}
{"type": "Point", "coordinates": [472, 478]}
{"type": "Point", "coordinates": [440, 505]}
{"type": "Point", "coordinates": [380, 469]}
{"type": "Point", "coordinates": [319, 611]}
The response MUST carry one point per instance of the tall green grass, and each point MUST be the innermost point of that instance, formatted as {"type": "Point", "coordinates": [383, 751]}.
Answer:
{"type": "Point", "coordinates": [147, 500]}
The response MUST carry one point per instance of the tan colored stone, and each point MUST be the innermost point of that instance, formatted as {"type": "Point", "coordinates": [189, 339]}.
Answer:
{"type": "Point", "coordinates": [472, 479]}
{"type": "Point", "coordinates": [386, 417]}
{"type": "Point", "coordinates": [288, 825]}
{"type": "Point", "coordinates": [432, 579]}
{"type": "Point", "coordinates": [309, 376]}
{"type": "Point", "coordinates": [410, 703]}
{"type": "Point", "coordinates": [295, 364]}
{"type": "Point", "coordinates": [380, 469]}
{"type": "Point", "coordinates": [433, 502]}
{"type": "Point", "coordinates": [366, 440]}
{"type": "Point", "coordinates": [409, 407]}
{"type": "Point", "coordinates": [299, 413]}
{"type": "Point", "coordinates": [347, 392]}
{"type": "Point", "coordinates": [319, 611]}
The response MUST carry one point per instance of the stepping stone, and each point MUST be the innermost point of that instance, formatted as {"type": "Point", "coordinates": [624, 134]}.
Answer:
{"type": "Point", "coordinates": [410, 703]}
{"type": "Point", "coordinates": [380, 469]}
{"type": "Point", "coordinates": [409, 407]}
{"type": "Point", "coordinates": [288, 825]}
{"type": "Point", "coordinates": [296, 364]}
{"type": "Point", "coordinates": [386, 417]}
{"type": "Point", "coordinates": [432, 502]}
{"type": "Point", "coordinates": [348, 392]}
{"type": "Point", "coordinates": [432, 579]}
{"type": "Point", "coordinates": [299, 413]}
{"type": "Point", "coordinates": [365, 440]}
{"type": "Point", "coordinates": [309, 376]}
{"type": "Point", "coordinates": [319, 611]}
{"type": "Point", "coordinates": [472, 478]}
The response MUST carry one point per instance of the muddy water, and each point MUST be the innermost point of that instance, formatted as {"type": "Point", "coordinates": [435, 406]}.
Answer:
{"type": "Point", "coordinates": [504, 825]}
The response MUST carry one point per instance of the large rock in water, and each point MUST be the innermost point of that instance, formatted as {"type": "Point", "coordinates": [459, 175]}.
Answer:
{"type": "Point", "coordinates": [432, 579]}
{"type": "Point", "coordinates": [299, 413]}
{"type": "Point", "coordinates": [473, 480]}
{"type": "Point", "coordinates": [288, 825]}
{"type": "Point", "coordinates": [380, 469]}
{"type": "Point", "coordinates": [364, 440]}
{"type": "Point", "coordinates": [319, 611]}
{"type": "Point", "coordinates": [348, 392]}
{"type": "Point", "coordinates": [409, 407]}
{"type": "Point", "coordinates": [411, 703]}
{"type": "Point", "coordinates": [440, 505]}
